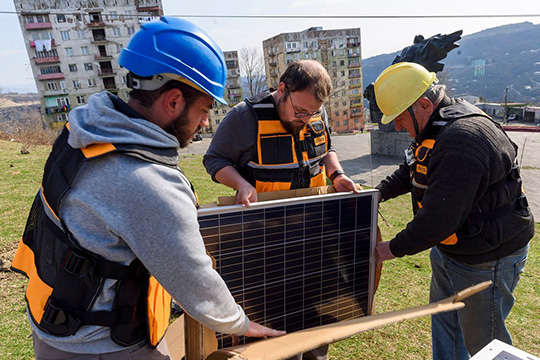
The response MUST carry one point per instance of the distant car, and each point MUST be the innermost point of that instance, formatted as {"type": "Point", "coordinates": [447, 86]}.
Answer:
{"type": "Point", "coordinates": [197, 137]}
{"type": "Point", "coordinates": [512, 117]}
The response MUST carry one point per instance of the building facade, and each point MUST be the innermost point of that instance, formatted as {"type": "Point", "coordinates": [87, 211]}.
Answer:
{"type": "Point", "coordinates": [73, 46]}
{"type": "Point", "coordinates": [233, 91]}
{"type": "Point", "coordinates": [339, 51]}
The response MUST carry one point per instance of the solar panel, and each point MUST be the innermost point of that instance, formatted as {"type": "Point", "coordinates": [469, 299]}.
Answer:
{"type": "Point", "coordinates": [296, 263]}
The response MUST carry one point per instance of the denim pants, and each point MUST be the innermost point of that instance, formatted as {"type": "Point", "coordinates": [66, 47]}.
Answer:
{"type": "Point", "coordinates": [462, 333]}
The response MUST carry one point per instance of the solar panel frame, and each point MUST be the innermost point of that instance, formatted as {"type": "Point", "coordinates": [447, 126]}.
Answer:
{"type": "Point", "coordinates": [283, 222]}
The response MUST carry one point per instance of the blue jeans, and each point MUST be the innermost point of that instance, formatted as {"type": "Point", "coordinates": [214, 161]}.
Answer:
{"type": "Point", "coordinates": [462, 333]}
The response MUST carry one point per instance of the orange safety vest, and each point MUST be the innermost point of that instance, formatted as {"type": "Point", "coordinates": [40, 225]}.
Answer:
{"type": "Point", "coordinates": [65, 279]}
{"type": "Point", "coordinates": [284, 161]}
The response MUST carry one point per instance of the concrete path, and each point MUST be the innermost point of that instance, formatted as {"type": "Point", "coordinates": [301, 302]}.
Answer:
{"type": "Point", "coordinates": [354, 153]}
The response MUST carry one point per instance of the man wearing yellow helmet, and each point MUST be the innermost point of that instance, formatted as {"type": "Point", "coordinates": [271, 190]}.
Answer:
{"type": "Point", "coordinates": [468, 204]}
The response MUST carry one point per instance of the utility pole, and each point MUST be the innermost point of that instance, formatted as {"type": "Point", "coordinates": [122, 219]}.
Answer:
{"type": "Point", "coordinates": [506, 105]}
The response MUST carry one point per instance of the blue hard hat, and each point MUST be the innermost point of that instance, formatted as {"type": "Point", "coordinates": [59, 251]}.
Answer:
{"type": "Point", "coordinates": [179, 49]}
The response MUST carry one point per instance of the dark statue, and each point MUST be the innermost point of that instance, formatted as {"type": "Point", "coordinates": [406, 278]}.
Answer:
{"type": "Point", "coordinates": [426, 52]}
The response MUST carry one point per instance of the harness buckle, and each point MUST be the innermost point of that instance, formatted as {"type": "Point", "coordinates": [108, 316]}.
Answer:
{"type": "Point", "coordinates": [57, 321]}
{"type": "Point", "coordinates": [76, 264]}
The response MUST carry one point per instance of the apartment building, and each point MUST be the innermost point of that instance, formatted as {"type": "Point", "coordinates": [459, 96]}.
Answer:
{"type": "Point", "coordinates": [73, 46]}
{"type": "Point", "coordinates": [233, 91]}
{"type": "Point", "coordinates": [339, 51]}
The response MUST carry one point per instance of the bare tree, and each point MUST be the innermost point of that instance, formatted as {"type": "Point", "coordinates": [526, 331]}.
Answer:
{"type": "Point", "coordinates": [252, 69]}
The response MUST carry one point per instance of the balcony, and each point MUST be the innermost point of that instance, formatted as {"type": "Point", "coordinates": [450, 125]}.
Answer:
{"type": "Point", "coordinates": [33, 43]}
{"type": "Point", "coordinates": [356, 112]}
{"type": "Point", "coordinates": [103, 57]}
{"type": "Point", "coordinates": [55, 92]}
{"type": "Point", "coordinates": [352, 86]}
{"type": "Point", "coordinates": [355, 65]}
{"type": "Point", "coordinates": [95, 24]}
{"type": "Point", "coordinates": [292, 50]}
{"type": "Point", "coordinates": [51, 76]}
{"type": "Point", "coordinates": [353, 44]}
{"type": "Point", "coordinates": [354, 75]}
{"type": "Point", "coordinates": [47, 60]}
{"type": "Point", "coordinates": [38, 25]}
{"type": "Point", "coordinates": [356, 105]}
{"type": "Point", "coordinates": [272, 63]}
{"type": "Point", "coordinates": [99, 39]}
{"type": "Point", "coordinates": [353, 54]}
{"type": "Point", "coordinates": [106, 72]}
{"type": "Point", "coordinates": [57, 109]}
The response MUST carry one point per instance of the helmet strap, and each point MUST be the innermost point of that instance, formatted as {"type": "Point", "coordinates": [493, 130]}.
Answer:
{"type": "Point", "coordinates": [415, 123]}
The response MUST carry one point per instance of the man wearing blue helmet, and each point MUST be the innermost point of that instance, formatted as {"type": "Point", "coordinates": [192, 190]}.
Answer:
{"type": "Point", "coordinates": [114, 223]}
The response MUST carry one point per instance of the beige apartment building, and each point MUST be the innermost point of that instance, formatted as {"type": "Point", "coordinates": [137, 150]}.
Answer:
{"type": "Point", "coordinates": [73, 46]}
{"type": "Point", "coordinates": [233, 91]}
{"type": "Point", "coordinates": [339, 51]}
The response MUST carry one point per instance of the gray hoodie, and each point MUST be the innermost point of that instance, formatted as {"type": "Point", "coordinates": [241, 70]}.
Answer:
{"type": "Point", "coordinates": [121, 207]}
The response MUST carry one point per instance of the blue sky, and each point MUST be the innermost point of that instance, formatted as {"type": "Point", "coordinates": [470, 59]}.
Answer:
{"type": "Point", "coordinates": [379, 36]}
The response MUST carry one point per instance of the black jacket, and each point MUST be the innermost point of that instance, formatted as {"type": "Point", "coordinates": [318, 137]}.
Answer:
{"type": "Point", "coordinates": [471, 152]}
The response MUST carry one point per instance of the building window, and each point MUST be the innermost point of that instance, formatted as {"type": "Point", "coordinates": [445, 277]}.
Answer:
{"type": "Point", "coordinates": [337, 113]}
{"type": "Point", "coordinates": [78, 17]}
{"type": "Point", "coordinates": [81, 34]}
{"type": "Point", "coordinates": [61, 117]}
{"type": "Point", "coordinates": [61, 18]}
{"type": "Point", "coordinates": [314, 55]}
{"type": "Point", "coordinates": [81, 99]}
{"type": "Point", "coordinates": [52, 86]}
{"type": "Point", "coordinates": [118, 47]}
{"type": "Point", "coordinates": [345, 122]}
{"type": "Point", "coordinates": [84, 50]}
{"type": "Point", "coordinates": [130, 30]}
{"type": "Point", "coordinates": [216, 112]}
{"type": "Point", "coordinates": [65, 35]}
{"type": "Point", "coordinates": [113, 15]}
{"type": "Point", "coordinates": [69, 52]}
{"type": "Point", "coordinates": [116, 31]}
{"type": "Point", "coordinates": [92, 82]}
{"type": "Point", "coordinates": [72, 67]}
{"type": "Point", "coordinates": [223, 111]}
{"type": "Point", "coordinates": [77, 84]}
{"type": "Point", "coordinates": [337, 123]}
{"type": "Point", "coordinates": [124, 79]}
{"type": "Point", "coordinates": [62, 101]}
{"type": "Point", "coordinates": [88, 66]}
{"type": "Point", "coordinates": [344, 113]}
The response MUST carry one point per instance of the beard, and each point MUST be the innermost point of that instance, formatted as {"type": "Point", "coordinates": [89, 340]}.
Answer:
{"type": "Point", "coordinates": [292, 127]}
{"type": "Point", "coordinates": [179, 128]}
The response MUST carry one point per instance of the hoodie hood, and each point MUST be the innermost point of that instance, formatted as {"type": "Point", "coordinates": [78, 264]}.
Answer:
{"type": "Point", "coordinates": [101, 122]}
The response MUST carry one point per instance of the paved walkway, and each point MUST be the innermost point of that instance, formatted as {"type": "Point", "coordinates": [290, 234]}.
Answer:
{"type": "Point", "coordinates": [354, 152]}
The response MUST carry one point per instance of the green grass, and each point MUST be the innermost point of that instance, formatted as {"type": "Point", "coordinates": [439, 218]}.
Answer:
{"type": "Point", "coordinates": [404, 283]}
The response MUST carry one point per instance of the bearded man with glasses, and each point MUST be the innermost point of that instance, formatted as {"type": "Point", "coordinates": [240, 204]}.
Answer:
{"type": "Point", "coordinates": [279, 139]}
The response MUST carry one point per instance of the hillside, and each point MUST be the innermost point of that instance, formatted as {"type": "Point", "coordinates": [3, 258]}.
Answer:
{"type": "Point", "coordinates": [507, 56]}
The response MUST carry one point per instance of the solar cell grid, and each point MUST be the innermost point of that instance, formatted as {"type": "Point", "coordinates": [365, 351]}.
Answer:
{"type": "Point", "coordinates": [296, 263]}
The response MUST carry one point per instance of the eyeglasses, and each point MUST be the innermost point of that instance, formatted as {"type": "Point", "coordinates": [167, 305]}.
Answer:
{"type": "Point", "coordinates": [301, 114]}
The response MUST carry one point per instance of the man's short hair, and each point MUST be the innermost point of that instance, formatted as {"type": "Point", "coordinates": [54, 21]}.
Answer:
{"type": "Point", "coordinates": [148, 98]}
{"type": "Point", "coordinates": [308, 75]}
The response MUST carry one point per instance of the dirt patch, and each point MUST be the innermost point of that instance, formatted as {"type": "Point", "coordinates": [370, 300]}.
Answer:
{"type": "Point", "coordinates": [6, 259]}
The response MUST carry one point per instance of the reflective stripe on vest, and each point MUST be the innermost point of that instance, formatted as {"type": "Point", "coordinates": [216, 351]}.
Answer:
{"type": "Point", "coordinates": [65, 279]}
{"type": "Point", "coordinates": [284, 161]}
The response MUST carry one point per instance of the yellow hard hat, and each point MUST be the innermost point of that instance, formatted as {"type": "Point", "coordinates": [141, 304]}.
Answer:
{"type": "Point", "coordinates": [399, 86]}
